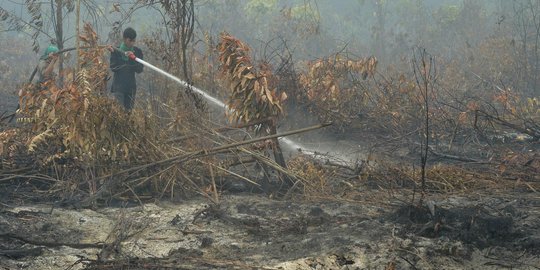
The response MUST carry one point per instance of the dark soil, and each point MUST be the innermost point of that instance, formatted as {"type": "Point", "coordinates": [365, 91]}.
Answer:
{"type": "Point", "coordinates": [252, 232]}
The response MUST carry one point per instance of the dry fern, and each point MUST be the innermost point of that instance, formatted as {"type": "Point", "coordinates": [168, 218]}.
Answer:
{"type": "Point", "coordinates": [252, 95]}
{"type": "Point", "coordinates": [39, 139]}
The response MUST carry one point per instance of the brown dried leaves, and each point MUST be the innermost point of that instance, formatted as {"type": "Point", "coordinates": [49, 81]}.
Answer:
{"type": "Point", "coordinates": [252, 95]}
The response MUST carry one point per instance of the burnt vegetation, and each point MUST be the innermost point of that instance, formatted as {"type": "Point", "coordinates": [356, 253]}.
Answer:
{"type": "Point", "coordinates": [443, 100]}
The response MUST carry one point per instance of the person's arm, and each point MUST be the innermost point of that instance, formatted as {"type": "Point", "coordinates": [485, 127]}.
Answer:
{"type": "Point", "coordinates": [47, 71]}
{"type": "Point", "coordinates": [137, 67]}
{"type": "Point", "coordinates": [116, 62]}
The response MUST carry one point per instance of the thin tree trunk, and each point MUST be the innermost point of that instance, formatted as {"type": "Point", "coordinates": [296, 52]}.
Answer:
{"type": "Point", "coordinates": [59, 39]}
{"type": "Point", "coordinates": [379, 39]}
{"type": "Point", "coordinates": [534, 9]}
{"type": "Point", "coordinates": [78, 15]}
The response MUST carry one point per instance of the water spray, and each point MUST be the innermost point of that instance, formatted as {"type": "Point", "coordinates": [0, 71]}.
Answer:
{"type": "Point", "coordinates": [183, 83]}
{"type": "Point", "coordinates": [291, 144]}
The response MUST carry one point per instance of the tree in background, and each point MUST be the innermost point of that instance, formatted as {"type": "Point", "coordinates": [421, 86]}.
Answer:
{"type": "Point", "coordinates": [46, 20]}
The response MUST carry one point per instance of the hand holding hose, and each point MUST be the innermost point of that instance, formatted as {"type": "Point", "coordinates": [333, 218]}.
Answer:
{"type": "Point", "coordinates": [131, 55]}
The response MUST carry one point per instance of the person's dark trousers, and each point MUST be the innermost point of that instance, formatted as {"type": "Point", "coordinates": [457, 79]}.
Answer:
{"type": "Point", "coordinates": [124, 84]}
{"type": "Point", "coordinates": [126, 99]}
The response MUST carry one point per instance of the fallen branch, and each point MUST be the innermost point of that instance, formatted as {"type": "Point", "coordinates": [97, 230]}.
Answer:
{"type": "Point", "coordinates": [52, 244]}
{"type": "Point", "coordinates": [19, 253]}
{"type": "Point", "coordinates": [115, 181]}
{"type": "Point", "coordinates": [458, 158]}
{"type": "Point", "coordinates": [171, 262]}
{"type": "Point", "coordinates": [212, 151]}
{"type": "Point", "coordinates": [534, 133]}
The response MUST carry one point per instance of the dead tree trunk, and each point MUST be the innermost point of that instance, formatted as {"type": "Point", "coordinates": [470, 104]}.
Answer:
{"type": "Point", "coordinates": [59, 39]}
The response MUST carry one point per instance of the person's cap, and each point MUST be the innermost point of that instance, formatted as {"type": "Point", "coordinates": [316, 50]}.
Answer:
{"type": "Point", "coordinates": [50, 49]}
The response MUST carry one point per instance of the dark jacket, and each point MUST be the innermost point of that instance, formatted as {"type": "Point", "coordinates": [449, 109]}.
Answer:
{"type": "Point", "coordinates": [124, 71]}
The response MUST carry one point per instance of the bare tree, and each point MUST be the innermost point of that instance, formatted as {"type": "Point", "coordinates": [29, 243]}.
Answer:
{"type": "Point", "coordinates": [425, 75]}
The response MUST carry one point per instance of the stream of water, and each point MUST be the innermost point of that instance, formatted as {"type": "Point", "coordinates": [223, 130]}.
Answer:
{"type": "Point", "coordinates": [346, 152]}
{"type": "Point", "coordinates": [291, 144]}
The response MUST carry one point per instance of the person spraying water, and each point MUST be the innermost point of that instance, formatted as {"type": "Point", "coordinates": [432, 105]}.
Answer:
{"type": "Point", "coordinates": [132, 56]}
{"type": "Point", "coordinates": [122, 64]}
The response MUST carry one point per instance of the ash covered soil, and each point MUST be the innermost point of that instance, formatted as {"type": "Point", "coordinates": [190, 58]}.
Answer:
{"type": "Point", "coordinates": [250, 231]}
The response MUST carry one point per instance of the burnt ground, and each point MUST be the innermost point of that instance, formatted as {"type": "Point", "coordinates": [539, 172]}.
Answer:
{"type": "Point", "coordinates": [372, 230]}
{"type": "Point", "coordinates": [250, 231]}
